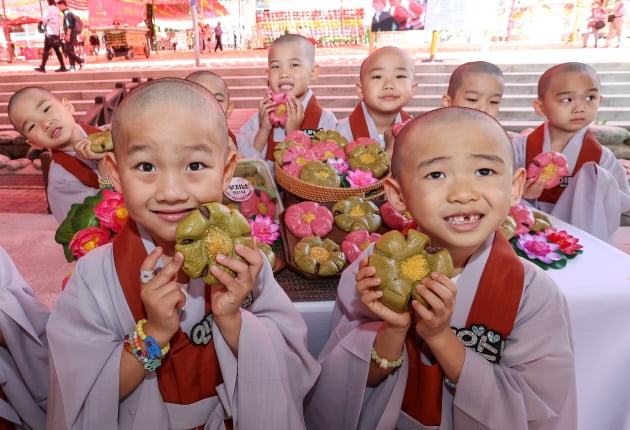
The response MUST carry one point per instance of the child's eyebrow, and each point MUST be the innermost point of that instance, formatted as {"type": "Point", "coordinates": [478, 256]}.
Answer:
{"type": "Point", "coordinates": [36, 107]}
{"type": "Point", "coordinates": [430, 161]}
{"type": "Point", "coordinates": [489, 157]}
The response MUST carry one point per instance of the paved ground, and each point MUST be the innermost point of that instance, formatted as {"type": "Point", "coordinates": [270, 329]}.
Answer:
{"type": "Point", "coordinates": [497, 53]}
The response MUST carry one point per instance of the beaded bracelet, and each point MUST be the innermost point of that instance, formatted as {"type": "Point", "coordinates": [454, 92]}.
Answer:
{"type": "Point", "coordinates": [105, 183]}
{"type": "Point", "coordinates": [384, 363]}
{"type": "Point", "coordinates": [150, 343]}
{"type": "Point", "coordinates": [133, 345]}
{"type": "Point", "coordinates": [449, 383]}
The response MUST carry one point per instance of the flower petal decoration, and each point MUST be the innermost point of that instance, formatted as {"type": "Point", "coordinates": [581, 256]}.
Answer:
{"type": "Point", "coordinates": [549, 166]}
{"type": "Point", "coordinates": [278, 116]}
{"type": "Point", "coordinates": [87, 239]}
{"type": "Point", "coordinates": [392, 218]}
{"type": "Point", "coordinates": [523, 217]}
{"type": "Point", "coordinates": [536, 247]}
{"type": "Point", "coordinates": [308, 219]}
{"type": "Point", "coordinates": [294, 138]}
{"type": "Point", "coordinates": [358, 178]}
{"type": "Point", "coordinates": [111, 211]}
{"type": "Point", "coordinates": [356, 242]}
{"type": "Point", "coordinates": [569, 245]}
{"type": "Point", "coordinates": [356, 213]}
{"type": "Point", "coordinates": [322, 174]}
{"type": "Point", "coordinates": [318, 256]}
{"type": "Point", "coordinates": [339, 164]}
{"type": "Point", "coordinates": [294, 158]}
{"type": "Point", "coordinates": [209, 230]}
{"type": "Point", "coordinates": [260, 203]}
{"type": "Point", "coordinates": [264, 229]}
{"type": "Point", "coordinates": [402, 262]}
{"type": "Point", "coordinates": [371, 158]}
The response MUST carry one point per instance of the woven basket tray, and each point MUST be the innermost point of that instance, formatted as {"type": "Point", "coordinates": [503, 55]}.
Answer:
{"type": "Point", "coordinates": [321, 194]}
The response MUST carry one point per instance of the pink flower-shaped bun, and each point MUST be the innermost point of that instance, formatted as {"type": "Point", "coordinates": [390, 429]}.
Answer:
{"type": "Point", "coordinates": [260, 203]}
{"type": "Point", "coordinates": [294, 158]}
{"type": "Point", "coordinates": [327, 149]}
{"type": "Point", "coordinates": [308, 219]}
{"type": "Point", "coordinates": [396, 128]}
{"type": "Point", "coordinates": [356, 242]}
{"type": "Point", "coordinates": [278, 116]}
{"type": "Point", "coordinates": [524, 218]}
{"type": "Point", "coordinates": [299, 137]}
{"type": "Point", "coordinates": [392, 218]}
{"type": "Point", "coordinates": [549, 166]}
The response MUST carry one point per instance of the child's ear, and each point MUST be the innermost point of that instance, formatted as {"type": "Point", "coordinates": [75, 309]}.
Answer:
{"type": "Point", "coordinates": [359, 90]}
{"type": "Point", "coordinates": [66, 104]}
{"type": "Point", "coordinates": [228, 168]}
{"type": "Point", "coordinates": [446, 100]}
{"type": "Point", "coordinates": [538, 107]}
{"type": "Point", "coordinates": [394, 194]}
{"type": "Point", "coordinates": [315, 72]}
{"type": "Point", "coordinates": [111, 167]}
{"type": "Point", "coordinates": [230, 108]}
{"type": "Point", "coordinates": [518, 184]}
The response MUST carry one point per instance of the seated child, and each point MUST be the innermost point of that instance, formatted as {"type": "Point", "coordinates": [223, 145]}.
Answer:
{"type": "Point", "coordinates": [48, 123]}
{"type": "Point", "coordinates": [478, 85]}
{"type": "Point", "coordinates": [596, 192]}
{"type": "Point", "coordinates": [386, 85]}
{"type": "Point", "coordinates": [291, 69]}
{"type": "Point", "coordinates": [217, 86]}
{"type": "Point", "coordinates": [453, 171]}
{"type": "Point", "coordinates": [23, 351]}
{"type": "Point", "coordinates": [246, 362]}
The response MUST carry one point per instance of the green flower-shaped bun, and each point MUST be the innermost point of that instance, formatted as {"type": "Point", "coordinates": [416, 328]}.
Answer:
{"type": "Point", "coordinates": [401, 262]}
{"type": "Point", "coordinates": [333, 135]}
{"type": "Point", "coordinates": [369, 158]}
{"type": "Point", "coordinates": [210, 230]}
{"type": "Point", "coordinates": [319, 256]}
{"type": "Point", "coordinates": [322, 174]}
{"type": "Point", "coordinates": [356, 213]}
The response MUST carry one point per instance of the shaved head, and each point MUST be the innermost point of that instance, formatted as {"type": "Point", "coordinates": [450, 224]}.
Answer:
{"type": "Point", "coordinates": [459, 74]}
{"type": "Point", "coordinates": [545, 80]}
{"type": "Point", "coordinates": [309, 48]}
{"type": "Point", "coordinates": [370, 59]}
{"type": "Point", "coordinates": [20, 95]}
{"type": "Point", "coordinates": [167, 91]}
{"type": "Point", "coordinates": [448, 117]}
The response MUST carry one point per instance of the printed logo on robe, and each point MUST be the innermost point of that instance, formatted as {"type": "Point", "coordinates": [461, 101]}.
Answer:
{"type": "Point", "coordinates": [564, 181]}
{"type": "Point", "coordinates": [201, 333]}
{"type": "Point", "coordinates": [310, 132]}
{"type": "Point", "coordinates": [486, 342]}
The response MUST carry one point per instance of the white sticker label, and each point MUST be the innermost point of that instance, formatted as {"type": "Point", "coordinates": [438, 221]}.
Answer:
{"type": "Point", "coordinates": [240, 189]}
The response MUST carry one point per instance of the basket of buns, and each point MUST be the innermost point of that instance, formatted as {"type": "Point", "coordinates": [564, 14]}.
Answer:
{"type": "Point", "coordinates": [327, 168]}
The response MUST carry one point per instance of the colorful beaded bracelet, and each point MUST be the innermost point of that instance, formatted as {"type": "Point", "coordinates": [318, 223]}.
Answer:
{"type": "Point", "coordinates": [152, 344]}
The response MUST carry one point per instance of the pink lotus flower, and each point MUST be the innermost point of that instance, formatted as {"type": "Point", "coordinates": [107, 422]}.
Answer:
{"type": "Point", "coordinates": [87, 239]}
{"type": "Point", "coordinates": [111, 211]}
{"type": "Point", "coordinates": [278, 116]}
{"type": "Point", "coordinates": [308, 219]}
{"type": "Point", "coordinates": [294, 158]}
{"type": "Point", "coordinates": [264, 229]}
{"type": "Point", "coordinates": [397, 128]}
{"type": "Point", "coordinates": [536, 247]}
{"type": "Point", "coordinates": [356, 242]}
{"type": "Point", "coordinates": [568, 244]}
{"type": "Point", "coordinates": [549, 166]}
{"type": "Point", "coordinates": [364, 141]}
{"type": "Point", "coordinates": [524, 218]}
{"type": "Point", "coordinates": [299, 137]}
{"type": "Point", "coordinates": [359, 178]}
{"type": "Point", "coordinates": [260, 203]}
{"type": "Point", "coordinates": [327, 149]}
{"type": "Point", "coordinates": [339, 164]}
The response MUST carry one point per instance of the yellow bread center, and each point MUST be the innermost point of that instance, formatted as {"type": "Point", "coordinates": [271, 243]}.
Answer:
{"type": "Point", "coordinates": [320, 254]}
{"type": "Point", "coordinates": [356, 211]}
{"type": "Point", "coordinates": [308, 218]}
{"type": "Point", "coordinates": [218, 242]}
{"type": "Point", "coordinates": [415, 267]}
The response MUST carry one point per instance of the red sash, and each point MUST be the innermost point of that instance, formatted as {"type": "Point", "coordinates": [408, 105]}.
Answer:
{"type": "Point", "coordinates": [358, 125]}
{"type": "Point", "coordinates": [4, 423]}
{"type": "Point", "coordinates": [591, 150]}
{"type": "Point", "coordinates": [75, 166]}
{"type": "Point", "coordinates": [495, 306]}
{"type": "Point", "coordinates": [312, 115]}
{"type": "Point", "coordinates": [188, 372]}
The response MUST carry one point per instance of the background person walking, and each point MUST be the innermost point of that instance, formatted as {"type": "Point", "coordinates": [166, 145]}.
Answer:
{"type": "Point", "coordinates": [70, 35]}
{"type": "Point", "coordinates": [50, 21]}
{"type": "Point", "coordinates": [218, 32]}
{"type": "Point", "coordinates": [616, 25]}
